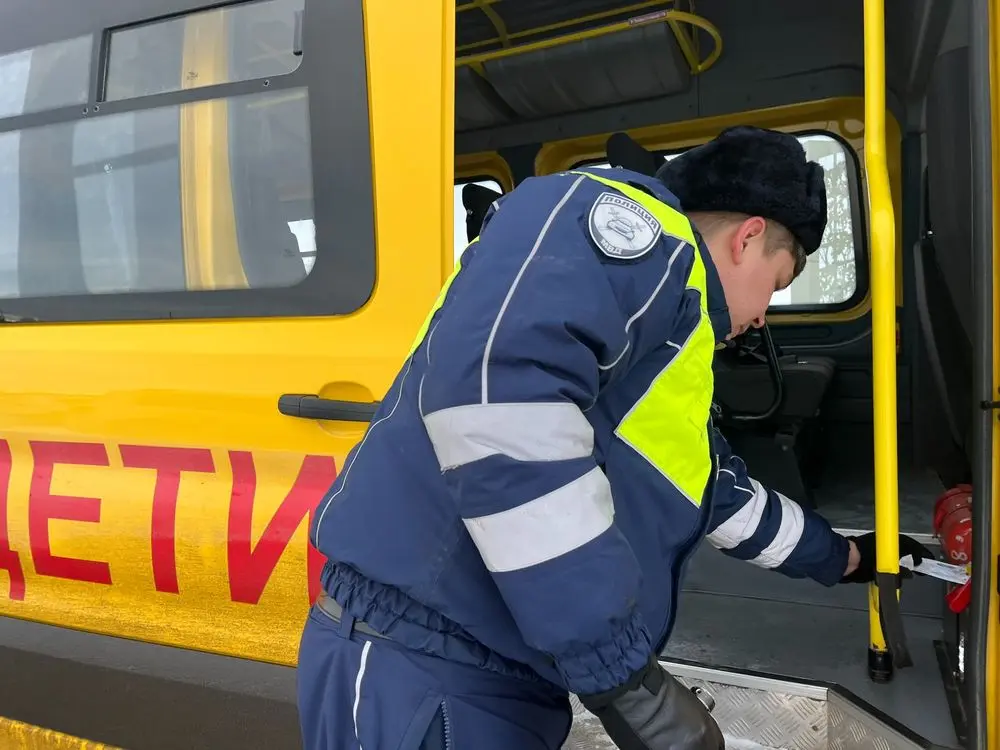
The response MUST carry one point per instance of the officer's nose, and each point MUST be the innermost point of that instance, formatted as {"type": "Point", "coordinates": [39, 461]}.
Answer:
{"type": "Point", "coordinates": [758, 322]}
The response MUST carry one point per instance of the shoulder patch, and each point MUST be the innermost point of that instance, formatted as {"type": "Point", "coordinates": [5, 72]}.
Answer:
{"type": "Point", "coordinates": [621, 228]}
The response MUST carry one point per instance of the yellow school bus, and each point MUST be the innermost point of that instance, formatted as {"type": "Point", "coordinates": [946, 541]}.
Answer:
{"type": "Point", "coordinates": [221, 225]}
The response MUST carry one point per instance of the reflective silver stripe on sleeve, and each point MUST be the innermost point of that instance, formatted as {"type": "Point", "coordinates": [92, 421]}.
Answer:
{"type": "Point", "coordinates": [787, 539]}
{"type": "Point", "coordinates": [524, 432]}
{"type": "Point", "coordinates": [743, 523]}
{"type": "Point", "coordinates": [546, 527]}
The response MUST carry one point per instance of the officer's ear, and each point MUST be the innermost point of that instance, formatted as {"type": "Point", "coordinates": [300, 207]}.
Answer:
{"type": "Point", "coordinates": [748, 239]}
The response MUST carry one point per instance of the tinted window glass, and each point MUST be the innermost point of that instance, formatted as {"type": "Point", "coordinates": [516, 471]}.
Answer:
{"type": "Point", "coordinates": [236, 43]}
{"type": "Point", "coordinates": [148, 201]}
{"type": "Point", "coordinates": [56, 75]}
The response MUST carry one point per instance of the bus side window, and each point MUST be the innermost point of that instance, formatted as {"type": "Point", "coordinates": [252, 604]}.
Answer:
{"type": "Point", "coordinates": [203, 195]}
{"type": "Point", "coordinates": [224, 45]}
{"type": "Point", "coordinates": [65, 64]}
{"type": "Point", "coordinates": [831, 275]}
{"type": "Point", "coordinates": [461, 215]}
{"type": "Point", "coordinates": [145, 201]}
{"type": "Point", "coordinates": [830, 278]}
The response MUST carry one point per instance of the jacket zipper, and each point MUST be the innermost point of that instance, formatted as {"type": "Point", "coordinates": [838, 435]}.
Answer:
{"type": "Point", "coordinates": [446, 723]}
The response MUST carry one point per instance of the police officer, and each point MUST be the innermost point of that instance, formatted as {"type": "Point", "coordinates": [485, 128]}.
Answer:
{"type": "Point", "coordinates": [514, 524]}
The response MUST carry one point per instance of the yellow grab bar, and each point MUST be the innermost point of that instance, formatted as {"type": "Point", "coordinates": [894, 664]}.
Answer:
{"type": "Point", "coordinates": [568, 23]}
{"type": "Point", "coordinates": [670, 17]}
{"type": "Point", "coordinates": [883, 282]}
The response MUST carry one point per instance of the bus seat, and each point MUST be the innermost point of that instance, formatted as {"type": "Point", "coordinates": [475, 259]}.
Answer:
{"type": "Point", "coordinates": [747, 387]}
{"type": "Point", "coordinates": [477, 200]}
{"type": "Point", "coordinates": [626, 153]}
{"type": "Point", "coordinates": [784, 450]}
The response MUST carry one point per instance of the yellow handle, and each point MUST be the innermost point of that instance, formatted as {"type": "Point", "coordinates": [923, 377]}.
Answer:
{"type": "Point", "coordinates": [883, 271]}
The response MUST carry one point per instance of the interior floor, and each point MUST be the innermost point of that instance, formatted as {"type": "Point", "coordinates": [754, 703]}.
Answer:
{"type": "Point", "coordinates": [846, 498]}
{"type": "Point", "coordinates": [730, 613]}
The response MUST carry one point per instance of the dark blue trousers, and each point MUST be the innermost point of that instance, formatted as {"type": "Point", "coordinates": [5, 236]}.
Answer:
{"type": "Point", "coordinates": [357, 692]}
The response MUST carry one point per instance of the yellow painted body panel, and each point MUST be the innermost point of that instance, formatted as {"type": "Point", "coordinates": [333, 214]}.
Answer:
{"type": "Point", "coordinates": [16, 735]}
{"type": "Point", "coordinates": [993, 637]}
{"type": "Point", "coordinates": [103, 401]}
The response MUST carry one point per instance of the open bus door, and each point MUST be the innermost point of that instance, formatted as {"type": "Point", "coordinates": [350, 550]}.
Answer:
{"type": "Point", "coordinates": [792, 713]}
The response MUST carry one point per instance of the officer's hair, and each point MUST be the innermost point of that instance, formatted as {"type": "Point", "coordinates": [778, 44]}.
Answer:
{"type": "Point", "coordinates": [777, 237]}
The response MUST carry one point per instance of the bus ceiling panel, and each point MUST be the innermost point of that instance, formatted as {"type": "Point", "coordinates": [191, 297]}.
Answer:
{"type": "Point", "coordinates": [477, 105]}
{"type": "Point", "coordinates": [640, 63]}
{"type": "Point", "coordinates": [727, 95]}
{"type": "Point", "coordinates": [29, 23]}
{"type": "Point", "coordinates": [678, 108]}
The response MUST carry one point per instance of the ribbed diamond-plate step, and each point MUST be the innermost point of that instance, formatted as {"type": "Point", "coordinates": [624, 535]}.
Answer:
{"type": "Point", "coordinates": [759, 713]}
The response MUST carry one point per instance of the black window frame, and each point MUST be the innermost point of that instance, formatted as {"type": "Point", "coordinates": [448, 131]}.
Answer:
{"type": "Point", "coordinates": [859, 223]}
{"type": "Point", "coordinates": [342, 279]}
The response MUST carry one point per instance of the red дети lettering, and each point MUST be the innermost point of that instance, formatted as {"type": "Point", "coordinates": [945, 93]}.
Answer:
{"type": "Point", "coordinates": [168, 464]}
{"type": "Point", "coordinates": [250, 566]}
{"type": "Point", "coordinates": [43, 505]}
{"type": "Point", "coordinates": [9, 559]}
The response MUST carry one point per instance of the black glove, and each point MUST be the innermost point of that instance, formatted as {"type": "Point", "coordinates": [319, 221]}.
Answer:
{"type": "Point", "coordinates": [865, 572]}
{"type": "Point", "coordinates": [653, 711]}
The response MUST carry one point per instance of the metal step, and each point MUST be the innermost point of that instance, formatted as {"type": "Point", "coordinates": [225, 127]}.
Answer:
{"type": "Point", "coordinates": [759, 712]}
{"type": "Point", "coordinates": [734, 616]}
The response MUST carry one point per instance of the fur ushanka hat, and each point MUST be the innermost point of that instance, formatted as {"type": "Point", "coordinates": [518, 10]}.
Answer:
{"type": "Point", "coordinates": [753, 171]}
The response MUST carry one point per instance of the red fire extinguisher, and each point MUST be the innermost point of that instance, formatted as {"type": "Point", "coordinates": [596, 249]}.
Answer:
{"type": "Point", "coordinates": [953, 528]}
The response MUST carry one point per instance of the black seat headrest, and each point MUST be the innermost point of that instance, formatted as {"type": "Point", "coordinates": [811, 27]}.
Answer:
{"type": "Point", "coordinates": [626, 153]}
{"type": "Point", "coordinates": [477, 200]}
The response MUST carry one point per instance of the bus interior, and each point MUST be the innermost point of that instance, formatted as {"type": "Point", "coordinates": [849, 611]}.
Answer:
{"type": "Point", "coordinates": [544, 86]}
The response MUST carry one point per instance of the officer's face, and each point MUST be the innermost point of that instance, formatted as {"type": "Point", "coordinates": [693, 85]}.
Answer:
{"type": "Point", "coordinates": [750, 275]}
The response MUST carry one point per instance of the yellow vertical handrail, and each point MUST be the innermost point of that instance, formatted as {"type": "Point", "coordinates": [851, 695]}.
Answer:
{"type": "Point", "coordinates": [882, 246]}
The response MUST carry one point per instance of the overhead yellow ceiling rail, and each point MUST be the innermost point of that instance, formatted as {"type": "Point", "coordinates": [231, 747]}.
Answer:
{"type": "Point", "coordinates": [498, 23]}
{"type": "Point", "coordinates": [674, 18]}
{"type": "Point", "coordinates": [535, 30]}
{"type": "Point", "coordinates": [473, 5]}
